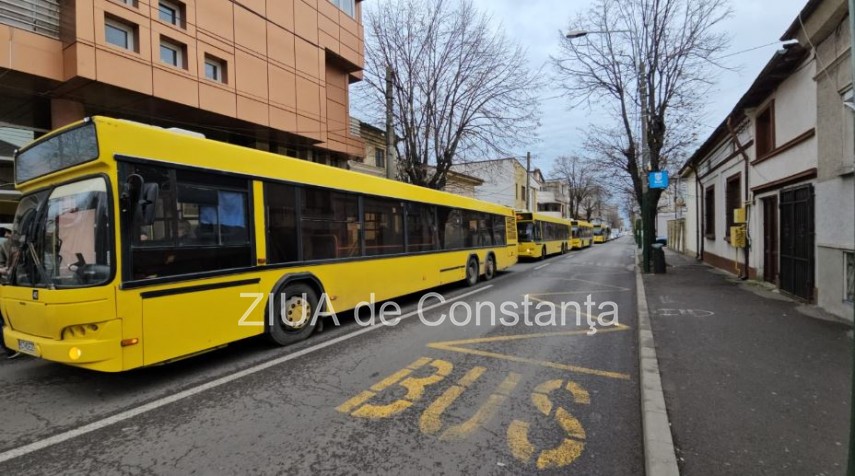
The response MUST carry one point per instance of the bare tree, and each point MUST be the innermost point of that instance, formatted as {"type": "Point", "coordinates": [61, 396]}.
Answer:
{"type": "Point", "coordinates": [578, 174]}
{"type": "Point", "coordinates": [596, 202]}
{"type": "Point", "coordinates": [460, 87]}
{"type": "Point", "coordinates": [665, 48]}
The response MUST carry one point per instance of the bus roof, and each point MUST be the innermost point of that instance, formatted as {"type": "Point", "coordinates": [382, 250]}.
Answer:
{"type": "Point", "coordinates": [124, 138]}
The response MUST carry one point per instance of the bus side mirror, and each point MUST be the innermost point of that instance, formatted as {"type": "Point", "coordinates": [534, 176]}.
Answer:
{"type": "Point", "coordinates": [148, 203]}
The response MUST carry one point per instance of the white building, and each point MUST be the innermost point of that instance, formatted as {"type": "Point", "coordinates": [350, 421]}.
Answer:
{"type": "Point", "coordinates": [505, 182]}
{"type": "Point", "coordinates": [554, 198]}
{"type": "Point", "coordinates": [789, 170]}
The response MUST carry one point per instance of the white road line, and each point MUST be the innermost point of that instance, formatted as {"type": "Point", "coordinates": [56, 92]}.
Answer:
{"type": "Point", "coordinates": [161, 402]}
{"type": "Point", "coordinates": [542, 266]}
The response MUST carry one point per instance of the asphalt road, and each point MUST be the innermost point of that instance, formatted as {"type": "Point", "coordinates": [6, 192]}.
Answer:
{"type": "Point", "coordinates": [410, 398]}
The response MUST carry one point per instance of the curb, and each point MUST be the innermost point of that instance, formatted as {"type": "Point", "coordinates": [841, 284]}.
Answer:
{"type": "Point", "coordinates": [660, 458]}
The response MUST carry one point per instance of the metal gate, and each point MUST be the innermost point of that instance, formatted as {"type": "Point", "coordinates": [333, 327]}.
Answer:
{"type": "Point", "coordinates": [797, 242]}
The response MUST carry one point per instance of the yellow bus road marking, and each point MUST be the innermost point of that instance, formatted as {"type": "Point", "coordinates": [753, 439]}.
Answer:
{"type": "Point", "coordinates": [485, 413]}
{"type": "Point", "coordinates": [571, 447]}
{"type": "Point", "coordinates": [182, 395]}
{"type": "Point", "coordinates": [431, 420]}
{"type": "Point", "coordinates": [456, 346]}
{"type": "Point", "coordinates": [358, 406]}
{"type": "Point", "coordinates": [378, 387]}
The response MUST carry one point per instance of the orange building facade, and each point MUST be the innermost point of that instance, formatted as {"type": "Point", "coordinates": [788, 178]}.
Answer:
{"type": "Point", "coordinates": [270, 74]}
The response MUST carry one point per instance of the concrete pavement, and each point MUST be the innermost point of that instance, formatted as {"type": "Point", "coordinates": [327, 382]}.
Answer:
{"type": "Point", "coordinates": [752, 386]}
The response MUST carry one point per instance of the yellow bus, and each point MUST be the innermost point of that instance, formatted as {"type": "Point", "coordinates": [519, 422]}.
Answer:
{"type": "Point", "coordinates": [138, 245]}
{"type": "Point", "coordinates": [582, 234]}
{"type": "Point", "coordinates": [542, 235]}
{"type": "Point", "coordinates": [601, 233]}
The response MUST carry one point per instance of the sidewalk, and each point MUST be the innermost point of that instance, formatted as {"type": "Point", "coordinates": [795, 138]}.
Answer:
{"type": "Point", "coordinates": [751, 385]}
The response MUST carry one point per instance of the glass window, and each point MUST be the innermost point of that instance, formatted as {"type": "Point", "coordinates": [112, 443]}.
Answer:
{"type": "Point", "coordinates": [70, 148]}
{"type": "Point", "coordinates": [499, 235]}
{"type": "Point", "coordinates": [71, 246]}
{"type": "Point", "coordinates": [281, 223]}
{"type": "Point", "coordinates": [201, 224]}
{"type": "Point", "coordinates": [849, 277]}
{"type": "Point", "coordinates": [329, 224]}
{"type": "Point", "coordinates": [117, 35]}
{"type": "Point", "coordinates": [450, 227]}
{"type": "Point", "coordinates": [709, 213]}
{"type": "Point", "coordinates": [171, 12]}
{"type": "Point", "coordinates": [525, 231]}
{"type": "Point", "coordinates": [347, 6]}
{"type": "Point", "coordinates": [380, 158]}
{"type": "Point", "coordinates": [384, 227]}
{"type": "Point", "coordinates": [421, 228]}
{"type": "Point", "coordinates": [477, 229]}
{"type": "Point", "coordinates": [172, 53]}
{"type": "Point", "coordinates": [215, 69]}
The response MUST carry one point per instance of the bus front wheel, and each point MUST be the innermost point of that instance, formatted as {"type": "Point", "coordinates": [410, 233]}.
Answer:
{"type": "Point", "coordinates": [489, 268]}
{"type": "Point", "coordinates": [472, 272]}
{"type": "Point", "coordinates": [294, 306]}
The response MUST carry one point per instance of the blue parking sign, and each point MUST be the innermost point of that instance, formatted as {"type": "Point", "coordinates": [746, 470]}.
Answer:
{"type": "Point", "coordinates": [657, 179]}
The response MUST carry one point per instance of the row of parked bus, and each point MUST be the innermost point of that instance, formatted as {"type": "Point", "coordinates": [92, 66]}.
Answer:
{"type": "Point", "coordinates": [543, 235]}
{"type": "Point", "coordinates": [135, 245]}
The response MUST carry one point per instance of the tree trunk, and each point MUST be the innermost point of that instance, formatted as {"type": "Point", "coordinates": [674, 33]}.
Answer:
{"type": "Point", "coordinates": [648, 223]}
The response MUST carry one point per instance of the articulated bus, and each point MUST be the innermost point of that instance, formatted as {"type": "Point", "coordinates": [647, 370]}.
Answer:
{"type": "Point", "coordinates": [138, 245]}
{"type": "Point", "coordinates": [582, 234]}
{"type": "Point", "coordinates": [542, 235]}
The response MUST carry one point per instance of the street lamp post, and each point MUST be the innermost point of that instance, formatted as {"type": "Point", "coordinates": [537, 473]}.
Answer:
{"type": "Point", "coordinates": [646, 217]}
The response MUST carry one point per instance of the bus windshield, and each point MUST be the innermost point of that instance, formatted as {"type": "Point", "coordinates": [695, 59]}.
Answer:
{"type": "Point", "coordinates": [525, 231]}
{"type": "Point", "coordinates": [63, 236]}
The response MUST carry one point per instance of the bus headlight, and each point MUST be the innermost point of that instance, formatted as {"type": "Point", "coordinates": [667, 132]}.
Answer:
{"type": "Point", "coordinates": [74, 353]}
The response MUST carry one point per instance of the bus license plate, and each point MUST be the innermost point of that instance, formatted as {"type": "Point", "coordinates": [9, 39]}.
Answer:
{"type": "Point", "coordinates": [27, 347]}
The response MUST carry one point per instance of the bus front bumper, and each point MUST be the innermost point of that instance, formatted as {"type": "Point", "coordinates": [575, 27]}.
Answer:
{"type": "Point", "coordinates": [529, 252]}
{"type": "Point", "coordinates": [102, 351]}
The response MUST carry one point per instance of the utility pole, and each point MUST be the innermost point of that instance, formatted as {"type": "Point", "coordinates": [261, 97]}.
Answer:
{"type": "Point", "coordinates": [528, 181]}
{"type": "Point", "coordinates": [390, 128]}
{"type": "Point", "coordinates": [646, 241]}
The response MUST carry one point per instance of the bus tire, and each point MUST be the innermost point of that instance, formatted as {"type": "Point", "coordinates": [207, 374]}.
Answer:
{"type": "Point", "coordinates": [490, 268]}
{"type": "Point", "coordinates": [472, 271]}
{"type": "Point", "coordinates": [293, 320]}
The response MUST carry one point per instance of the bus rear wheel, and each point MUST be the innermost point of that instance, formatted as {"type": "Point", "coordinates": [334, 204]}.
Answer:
{"type": "Point", "coordinates": [294, 307]}
{"type": "Point", "coordinates": [489, 268]}
{"type": "Point", "coordinates": [472, 272]}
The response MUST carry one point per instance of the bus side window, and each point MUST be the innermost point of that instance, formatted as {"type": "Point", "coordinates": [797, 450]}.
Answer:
{"type": "Point", "coordinates": [281, 223]}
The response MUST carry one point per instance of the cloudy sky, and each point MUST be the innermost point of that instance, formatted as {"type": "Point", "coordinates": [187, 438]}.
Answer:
{"type": "Point", "coordinates": [535, 25]}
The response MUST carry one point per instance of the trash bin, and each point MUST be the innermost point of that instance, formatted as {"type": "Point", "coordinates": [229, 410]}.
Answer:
{"type": "Point", "coordinates": [657, 255]}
